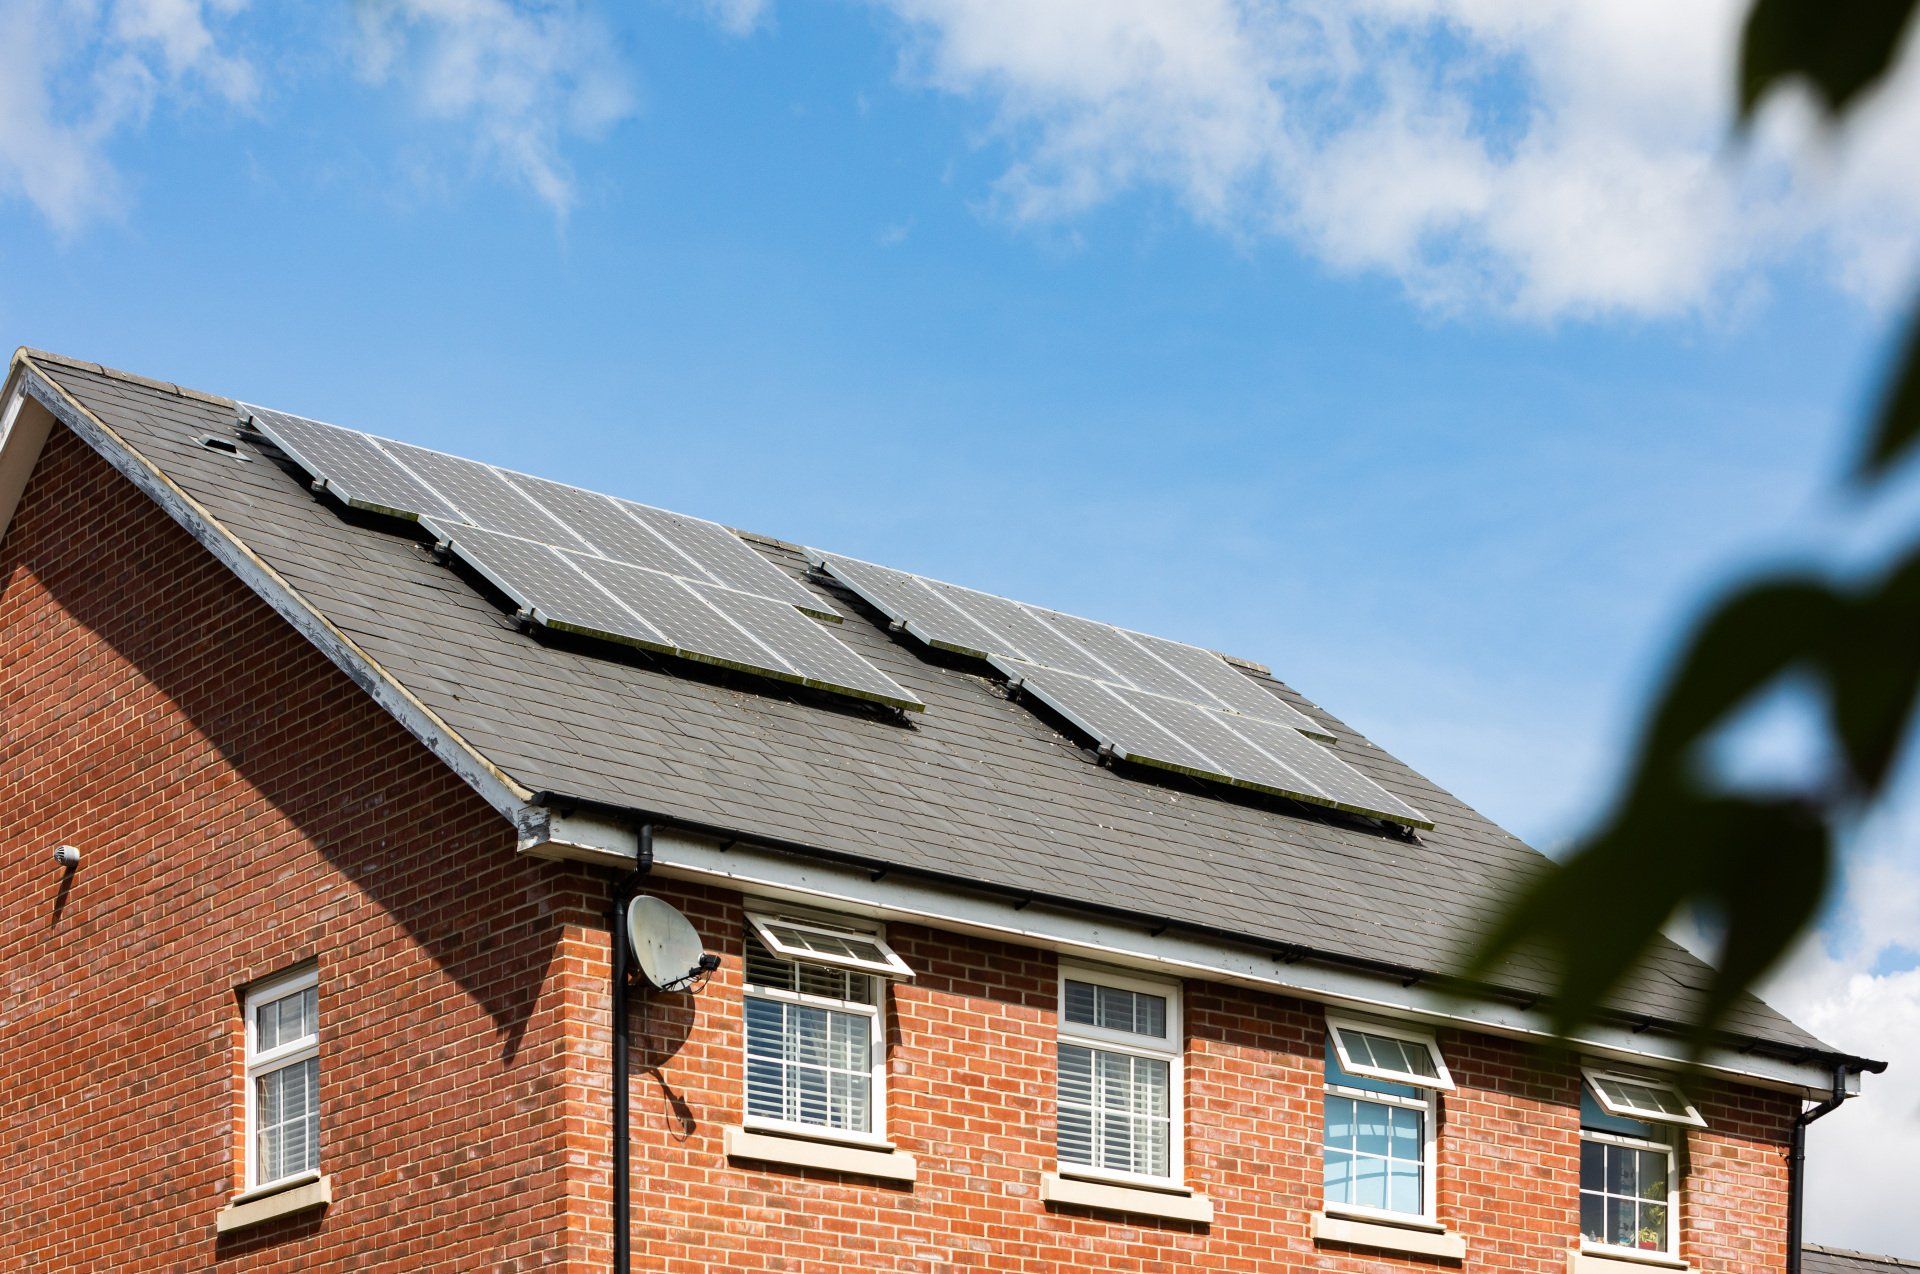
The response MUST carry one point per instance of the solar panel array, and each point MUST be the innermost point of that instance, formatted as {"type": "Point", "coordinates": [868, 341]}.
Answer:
{"type": "Point", "coordinates": [1145, 699]}
{"type": "Point", "coordinates": [578, 561]}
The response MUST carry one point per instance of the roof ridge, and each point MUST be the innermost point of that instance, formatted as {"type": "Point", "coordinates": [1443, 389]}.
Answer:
{"type": "Point", "coordinates": [114, 373]}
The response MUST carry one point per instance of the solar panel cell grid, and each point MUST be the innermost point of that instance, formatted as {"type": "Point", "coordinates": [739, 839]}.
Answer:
{"type": "Point", "coordinates": [480, 496]}
{"type": "Point", "coordinates": [541, 579]}
{"type": "Point", "coordinates": [599, 520]}
{"type": "Point", "coordinates": [353, 466]}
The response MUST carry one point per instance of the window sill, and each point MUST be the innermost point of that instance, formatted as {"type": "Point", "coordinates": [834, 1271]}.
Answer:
{"type": "Point", "coordinates": [256, 1207]}
{"type": "Point", "coordinates": [828, 1156]}
{"type": "Point", "coordinates": [1615, 1260]}
{"type": "Point", "coordinates": [1413, 1237]}
{"type": "Point", "coordinates": [1170, 1204]}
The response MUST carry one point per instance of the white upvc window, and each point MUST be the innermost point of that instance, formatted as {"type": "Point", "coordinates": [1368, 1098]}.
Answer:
{"type": "Point", "coordinates": [1629, 1177]}
{"type": "Point", "coordinates": [815, 1027]}
{"type": "Point", "coordinates": [1382, 1105]}
{"type": "Point", "coordinates": [1120, 1080]}
{"type": "Point", "coordinates": [1638, 1097]}
{"type": "Point", "coordinates": [282, 1078]}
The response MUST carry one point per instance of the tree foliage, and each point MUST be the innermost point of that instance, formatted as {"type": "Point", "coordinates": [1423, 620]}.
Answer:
{"type": "Point", "coordinates": [1677, 839]}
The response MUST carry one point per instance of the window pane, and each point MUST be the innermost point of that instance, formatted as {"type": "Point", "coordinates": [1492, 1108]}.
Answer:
{"type": "Point", "coordinates": [1340, 1121]}
{"type": "Point", "coordinates": [1339, 1169]}
{"type": "Point", "coordinates": [1372, 1120]}
{"type": "Point", "coordinates": [1653, 1175]}
{"type": "Point", "coordinates": [809, 1065]}
{"type": "Point", "coordinates": [1620, 1226]}
{"type": "Point", "coordinates": [1620, 1174]}
{"type": "Point", "coordinates": [1370, 1182]}
{"type": "Point", "coordinates": [287, 1118]}
{"type": "Point", "coordinates": [1653, 1226]}
{"type": "Point", "coordinates": [1593, 1217]}
{"type": "Point", "coordinates": [1076, 1136]}
{"type": "Point", "coordinates": [1116, 1009]}
{"type": "Point", "coordinates": [1407, 1135]}
{"type": "Point", "coordinates": [1403, 1188]}
{"type": "Point", "coordinates": [1593, 1166]}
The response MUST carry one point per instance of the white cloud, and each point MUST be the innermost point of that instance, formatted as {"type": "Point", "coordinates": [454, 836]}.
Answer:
{"type": "Point", "coordinates": [1544, 157]}
{"type": "Point", "coordinates": [82, 73]}
{"type": "Point", "coordinates": [1858, 988]}
{"type": "Point", "coordinates": [737, 17]}
{"type": "Point", "coordinates": [520, 77]}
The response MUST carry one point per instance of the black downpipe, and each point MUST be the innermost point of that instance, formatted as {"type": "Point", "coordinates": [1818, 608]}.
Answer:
{"type": "Point", "coordinates": [623, 891]}
{"type": "Point", "coordinates": [1797, 1166]}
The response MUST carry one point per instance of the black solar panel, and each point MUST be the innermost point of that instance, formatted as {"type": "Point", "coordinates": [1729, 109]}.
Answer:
{"type": "Point", "coordinates": [583, 562]}
{"type": "Point", "coordinates": [1208, 743]}
{"type": "Point", "coordinates": [1156, 701]}
{"type": "Point", "coordinates": [576, 592]}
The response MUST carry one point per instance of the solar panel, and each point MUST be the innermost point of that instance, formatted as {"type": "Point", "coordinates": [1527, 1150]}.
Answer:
{"type": "Point", "coordinates": [1209, 743]}
{"type": "Point", "coordinates": [415, 482]}
{"type": "Point", "coordinates": [1158, 702]}
{"type": "Point", "coordinates": [970, 622]}
{"type": "Point", "coordinates": [576, 592]}
{"type": "Point", "coordinates": [351, 465]}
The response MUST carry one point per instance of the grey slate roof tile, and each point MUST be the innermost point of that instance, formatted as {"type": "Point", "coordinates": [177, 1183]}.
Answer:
{"type": "Point", "coordinates": [1835, 1260]}
{"type": "Point", "coordinates": [977, 787]}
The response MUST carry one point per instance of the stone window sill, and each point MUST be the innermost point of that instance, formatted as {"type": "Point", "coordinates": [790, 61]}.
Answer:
{"type": "Point", "coordinates": [1622, 1261]}
{"type": "Point", "coordinates": [828, 1156]}
{"type": "Point", "coordinates": [1415, 1238]}
{"type": "Point", "coordinates": [256, 1207]}
{"type": "Point", "coordinates": [1170, 1205]}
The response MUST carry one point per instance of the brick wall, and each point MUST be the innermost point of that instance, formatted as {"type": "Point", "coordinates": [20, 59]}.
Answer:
{"type": "Point", "coordinates": [971, 1095]}
{"type": "Point", "coordinates": [241, 807]}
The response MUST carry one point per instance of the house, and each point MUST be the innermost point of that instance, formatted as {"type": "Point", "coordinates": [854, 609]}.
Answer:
{"type": "Point", "coordinates": [333, 770]}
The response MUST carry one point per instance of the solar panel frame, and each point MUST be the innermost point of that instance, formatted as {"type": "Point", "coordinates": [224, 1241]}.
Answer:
{"type": "Point", "coordinates": [599, 597]}
{"type": "Point", "coordinates": [351, 465]}
{"type": "Point", "coordinates": [403, 480]}
{"type": "Point", "coordinates": [983, 625]}
{"type": "Point", "coordinates": [1207, 743]}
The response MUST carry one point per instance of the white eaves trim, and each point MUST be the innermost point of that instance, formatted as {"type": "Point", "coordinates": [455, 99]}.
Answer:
{"type": "Point", "coordinates": [1638, 1097]}
{"type": "Point", "coordinates": [1387, 1050]}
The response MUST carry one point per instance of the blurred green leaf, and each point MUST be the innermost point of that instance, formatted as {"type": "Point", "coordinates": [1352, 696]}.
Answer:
{"type": "Point", "coordinates": [1873, 676]}
{"type": "Point", "coordinates": [1755, 637]}
{"type": "Point", "coordinates": [1841, 47]}
{"type": "Point", "coordinates": [1898, 422]}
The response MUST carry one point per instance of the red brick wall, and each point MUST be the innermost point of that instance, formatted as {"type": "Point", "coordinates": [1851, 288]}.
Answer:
{"type": "Point", "coordinates": [241, 806]}
{"type": "Point", "coordinates": [971, 1096]}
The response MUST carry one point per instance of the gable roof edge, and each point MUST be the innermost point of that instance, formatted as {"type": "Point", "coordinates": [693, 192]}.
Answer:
{"type": "Point", "coordinates": [498, 789]}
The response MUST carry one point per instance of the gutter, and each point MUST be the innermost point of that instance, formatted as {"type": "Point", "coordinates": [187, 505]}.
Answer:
{"type": "Point", "coordinates": [583, 829]}
{"type": "Point", "coordinates": [1797, 1165]}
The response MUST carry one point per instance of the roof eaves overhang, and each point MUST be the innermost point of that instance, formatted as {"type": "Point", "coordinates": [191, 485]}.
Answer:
{"type": "Point", "coordinates": [804, 873]}
{"type": "Point", "coordinates": [29, 383]}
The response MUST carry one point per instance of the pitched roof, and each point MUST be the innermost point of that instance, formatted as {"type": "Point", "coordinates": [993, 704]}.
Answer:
{"type": "Point", "coordinates": [978, 788]}
{"type": "Point", "coordinates": [1838, 1260]}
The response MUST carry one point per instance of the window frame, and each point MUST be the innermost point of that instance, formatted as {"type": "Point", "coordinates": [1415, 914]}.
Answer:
{"type": "Point", "coordinates": [876, 1014]}
{"type": "Point", "coordinates": [1171, 1050]}
{"type": "Point", "coordinates": [1428, 1106]}
{"type": "Point", "coordinates": [1591, 1077]}
{"type": "Point", "coordinates": [256, 1064]}
{"type": "Point", "coordinates": [1671, 1150]}
{"type": "Point", "coordinates": [889, 967]}
{"type": "Point", "coordinates": [1441, 1081]}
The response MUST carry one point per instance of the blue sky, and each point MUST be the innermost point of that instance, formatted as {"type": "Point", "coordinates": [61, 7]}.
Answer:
{"type": "Point", "coordinates": [1387, 393]}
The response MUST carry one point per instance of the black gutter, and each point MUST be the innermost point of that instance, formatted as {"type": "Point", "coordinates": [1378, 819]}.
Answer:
{"type": "Point", "coordinates": [1288, 952]}
{"type": "Point", "coordinates": [1797, 1165]}
{"type": "Point", "coordinates": [623, 891]}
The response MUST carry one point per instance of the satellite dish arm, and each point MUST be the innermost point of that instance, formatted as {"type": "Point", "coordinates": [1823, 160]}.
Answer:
{"type": "Point", "coordinates": [623, 892]}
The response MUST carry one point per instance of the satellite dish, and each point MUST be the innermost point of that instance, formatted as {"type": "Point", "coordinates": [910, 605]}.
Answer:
{"type": "Point", "coordinates": [664, 944]}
